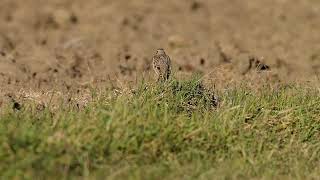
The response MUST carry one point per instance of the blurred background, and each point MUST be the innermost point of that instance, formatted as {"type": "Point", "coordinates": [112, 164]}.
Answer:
{"type": "Point", "coordinates": [75, 43]}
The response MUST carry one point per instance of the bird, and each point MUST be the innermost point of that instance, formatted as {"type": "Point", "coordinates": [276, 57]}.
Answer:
{"type": "Point", "coordinates": [162, 65]}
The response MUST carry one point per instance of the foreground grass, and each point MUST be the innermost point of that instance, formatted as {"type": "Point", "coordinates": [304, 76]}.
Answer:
{"type": "Point", "coordinates": [172, 131]}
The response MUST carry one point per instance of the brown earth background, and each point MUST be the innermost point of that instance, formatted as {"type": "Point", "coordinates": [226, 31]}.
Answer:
{"type": "Point", "coordinates": [70, 46]}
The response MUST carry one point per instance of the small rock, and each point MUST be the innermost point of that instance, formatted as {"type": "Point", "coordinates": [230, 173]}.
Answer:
{"type": "Point", "coordinates": [16, 106]}
{"type": "Point", "coordinates": [62, 17]}
{"type": "Point", "coordinates": [202, 61]}
{"type": "Point", "coordinates": [195, 6]}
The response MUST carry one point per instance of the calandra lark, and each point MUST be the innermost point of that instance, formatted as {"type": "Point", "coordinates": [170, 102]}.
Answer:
{"type": "Point", "coordinates": [161, 65]}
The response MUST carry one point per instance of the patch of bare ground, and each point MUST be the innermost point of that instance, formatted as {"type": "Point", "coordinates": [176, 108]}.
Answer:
{"type": "Point", "coordinates": [72, 45]}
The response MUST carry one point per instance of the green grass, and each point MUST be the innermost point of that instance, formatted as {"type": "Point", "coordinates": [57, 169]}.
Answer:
{"type": "Point", "coordinates": [173, 131]}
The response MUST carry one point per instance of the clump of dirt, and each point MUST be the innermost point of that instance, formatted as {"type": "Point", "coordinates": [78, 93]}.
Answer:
{"type": "Point", "coordinates": [256, 63]}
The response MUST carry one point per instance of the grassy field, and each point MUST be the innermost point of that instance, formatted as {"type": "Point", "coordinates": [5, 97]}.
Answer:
{"type": "Point", "coordinates": [172, 131]}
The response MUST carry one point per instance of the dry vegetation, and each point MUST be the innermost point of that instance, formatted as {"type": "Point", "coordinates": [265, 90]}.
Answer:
{"type": "Point", "coordinates": [63, 61]}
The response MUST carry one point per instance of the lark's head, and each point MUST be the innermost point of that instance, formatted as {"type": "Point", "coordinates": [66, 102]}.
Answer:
{"type": "Point", "coordinates": [160, 51]}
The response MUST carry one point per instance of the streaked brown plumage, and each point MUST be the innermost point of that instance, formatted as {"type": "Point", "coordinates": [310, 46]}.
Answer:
{"type": "Point", "coordinates": [161, 65]}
